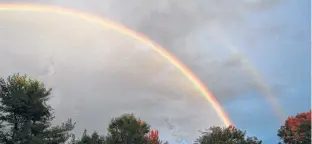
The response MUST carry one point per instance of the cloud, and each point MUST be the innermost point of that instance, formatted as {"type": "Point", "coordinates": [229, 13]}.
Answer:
{"type": "Point", "coordinates": [137, 78]}
{"type": "Point", "coordinates": [176, 24]}
{"type": "Point", "coordinates": [94, 78]}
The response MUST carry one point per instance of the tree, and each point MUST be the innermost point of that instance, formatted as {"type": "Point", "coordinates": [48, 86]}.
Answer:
{"type": "Point", "coordinates": [127, 129]}
{"type": "Point", "coordinates": [228, 135]}
{"type": "Point", "coordinates": [153, 138]}
{"type": "Point", "coordinates": [95, 138]}
{"type": "Point", "coordinates": [296, 130]}
{"type": "Point", "coordinates": [25, 116]}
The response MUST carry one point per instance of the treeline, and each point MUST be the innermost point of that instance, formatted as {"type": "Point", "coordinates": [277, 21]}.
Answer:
{"type": "Point", "coordinates": [25, 118]}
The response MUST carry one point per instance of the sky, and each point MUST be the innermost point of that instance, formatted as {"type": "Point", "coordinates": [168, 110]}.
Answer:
{"type": "Point", "coordinates": [281, 51]}
{"type": "Point", "coordinates": [272, 35]}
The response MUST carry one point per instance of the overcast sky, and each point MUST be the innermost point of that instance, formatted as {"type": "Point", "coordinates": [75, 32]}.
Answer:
{"type": "Point", "coordinates": [97, 73]}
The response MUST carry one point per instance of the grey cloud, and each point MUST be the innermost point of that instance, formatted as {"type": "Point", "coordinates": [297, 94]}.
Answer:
{"type": "Point", "coordinates": [91, 84]}
{"type": "Point", "coordinates": [173, 23]}
{"type": "Point", "coordinates": [136, 79]}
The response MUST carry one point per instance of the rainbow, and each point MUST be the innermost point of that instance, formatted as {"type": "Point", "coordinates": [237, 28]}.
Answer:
{"type": "Point", "coordinates": [253, 73]}
{"type": "Point", "coordinates": [124, 30]}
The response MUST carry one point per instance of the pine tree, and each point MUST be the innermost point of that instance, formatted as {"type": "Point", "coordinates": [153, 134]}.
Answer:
{"type": "Point", "coordinates": [25, 115]}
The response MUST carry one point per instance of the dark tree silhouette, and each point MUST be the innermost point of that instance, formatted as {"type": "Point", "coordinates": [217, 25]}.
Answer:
{"type": "Point", "coordinates": [94, 138]}
{"type": "Point", "coordinates": [25, 116]}
{"type": "Point", "coordinates": [228, 135]}
{"type": "Point", "coordinates": [127, 128]}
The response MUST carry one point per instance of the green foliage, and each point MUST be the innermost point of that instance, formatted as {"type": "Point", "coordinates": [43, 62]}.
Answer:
{"type": "Point", "coordinates": [228, 135]}
{"type": "Point", "coordinates": [25, 116]}
{"type": "Point", "coordinates": [127, 128]}
{"type": "Point", "coordinates": [95, 138]}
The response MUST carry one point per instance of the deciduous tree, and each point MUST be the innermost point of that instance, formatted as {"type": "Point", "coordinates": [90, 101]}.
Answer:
{"type": "Point", "coordinates": [153, 138]}
{"type": "Point", "coordinates": [228, 135]}
{"type": "Point", "coordinates": [128, 129]}
{"type": "Point", "coordinates": [297, 129]}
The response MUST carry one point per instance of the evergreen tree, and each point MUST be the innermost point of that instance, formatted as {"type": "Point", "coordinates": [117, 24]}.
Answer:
{"type": "Point", "coordinates": [95, 138]}
{"type": "Point", "coordinates": [25, 115]}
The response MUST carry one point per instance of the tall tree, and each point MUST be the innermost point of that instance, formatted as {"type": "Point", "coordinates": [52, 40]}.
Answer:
{"type": "Point", "coordinates": [297, 129]}
{"type": "Point", "coordinates": [26, 115]}
{"type": "Point", "coordinates": [127, 129]}
{"type": "Point", "coordinates": [228, 135]}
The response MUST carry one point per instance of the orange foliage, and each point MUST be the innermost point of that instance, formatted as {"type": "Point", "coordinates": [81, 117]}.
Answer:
{"type": "Point", "coordinates": [294, 123]}
{"type": "Point", "coordinates": [140, 122]}
{"type": "Point", "coordinates": [297, 128]}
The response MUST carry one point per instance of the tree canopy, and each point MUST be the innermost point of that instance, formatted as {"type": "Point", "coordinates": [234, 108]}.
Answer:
{"type": "Point", "coordinates": [128, 128]}
{"type": "Point", "coordinates": [296, 129]}
{"type": "Point", "coordinates": [25, 118]}
{"type": "Point", "coordinates": [94, 138]}
{"type": "Point", "coordinates": [227, 135]}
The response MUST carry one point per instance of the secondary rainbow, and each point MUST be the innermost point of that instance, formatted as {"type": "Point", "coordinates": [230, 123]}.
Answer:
{"type": "Point", "coordinates": [124, 30]}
